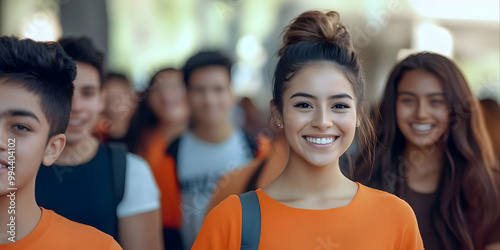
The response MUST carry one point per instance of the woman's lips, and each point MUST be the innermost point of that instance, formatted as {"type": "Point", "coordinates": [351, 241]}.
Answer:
{"type": "Point", "coordinates": [320, 142]}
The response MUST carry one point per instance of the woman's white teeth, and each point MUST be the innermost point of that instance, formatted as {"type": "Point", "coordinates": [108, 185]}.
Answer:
{"type": "Point", "coordinates": [322, 141]}
{"type": "Point", "coordinates": [75, 122]}
{"type": "Point", "coordinates": [421, 127]}
{"type": "Point", "coordinates": [3, 166]}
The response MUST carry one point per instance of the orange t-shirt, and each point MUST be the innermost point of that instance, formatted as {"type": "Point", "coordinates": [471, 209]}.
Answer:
{"type": "Point", "coordinates": [153, 149]}
{"type": "Point", "coordinates": [56, 232]}
{"type": "Point", "coordinates": [372, 220]}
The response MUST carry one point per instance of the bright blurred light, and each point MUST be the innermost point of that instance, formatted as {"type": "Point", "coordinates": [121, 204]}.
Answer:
{"type": "Point", "coordinates": [246, 71]}
{"type": "Point", "coordinates": [458, 9]}
{"type": "Point", "coordinates": [42, 27]}
{"type": "Point", "coordinates": [430, 37]}
{"type": "Point", "coordinates": [246, 80]}
{"type": "Point", "coordinates": [248, 48]}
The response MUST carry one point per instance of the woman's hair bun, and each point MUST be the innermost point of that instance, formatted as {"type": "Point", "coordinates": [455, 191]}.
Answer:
{"type": "Point", "coordinates": [316, 26]}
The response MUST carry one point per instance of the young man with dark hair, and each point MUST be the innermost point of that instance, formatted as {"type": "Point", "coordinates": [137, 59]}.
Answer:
{"type": "Point", "coordinates": [213, 145]}
{"type": "Point", "coordinates": [35, 102]}
{"type": "Point", "coordinates": [101, 185]}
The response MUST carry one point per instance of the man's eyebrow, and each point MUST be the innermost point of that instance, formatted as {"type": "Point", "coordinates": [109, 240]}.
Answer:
{"type": "Point", "coordinates": [89, 86]}
{"type": "Point", "coordinates": [339, 96]}
{"type": "Point", "coordinates": [20, 112]}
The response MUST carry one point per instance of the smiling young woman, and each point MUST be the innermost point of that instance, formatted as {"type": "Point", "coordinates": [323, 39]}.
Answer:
{"type": "Point", "coordinates": [319, 105]}
{"type": "Point", "coordinates": [434, 153]}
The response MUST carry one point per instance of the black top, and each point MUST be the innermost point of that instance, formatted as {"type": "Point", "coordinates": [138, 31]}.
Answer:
{"type": "Point", "coordinates": [422, 205]}
{"type": "Point", "coordinates": [82, 193]}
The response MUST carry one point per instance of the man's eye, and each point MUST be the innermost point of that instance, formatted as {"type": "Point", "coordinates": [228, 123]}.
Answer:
{"type": "Point", "coordinates": [88, 93]}
{"type": "Point", "coordinates": [20, 128]}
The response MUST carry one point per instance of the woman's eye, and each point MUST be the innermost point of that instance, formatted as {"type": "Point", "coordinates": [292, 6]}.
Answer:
{"type": "Point", "coordinates": [407, 100]}
{"type": "Point", "coordinates": [21, 128]}
{"type": "Point", "coordinates": [436, 101]}
{"type": "Point", "coordinates": [340, 106]}
{"type": "Point", "coordinates": [303, 105]}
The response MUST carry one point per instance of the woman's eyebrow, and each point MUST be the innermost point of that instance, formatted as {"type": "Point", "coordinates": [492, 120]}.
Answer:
{"type": "Point", "coordinates": [339, 96]}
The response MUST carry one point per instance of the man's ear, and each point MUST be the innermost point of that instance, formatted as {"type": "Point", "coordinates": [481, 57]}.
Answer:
{"type": "Point", "coordinates": [53, 149]}
{"type": "Point", "coordinates": [276, 119]}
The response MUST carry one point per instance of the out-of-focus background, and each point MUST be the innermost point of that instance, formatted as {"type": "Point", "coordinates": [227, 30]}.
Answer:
{"type": "Point", "coordinates": [141, 36]}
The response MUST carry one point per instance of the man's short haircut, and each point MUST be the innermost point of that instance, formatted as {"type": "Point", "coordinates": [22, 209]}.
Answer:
{"type": "Point", "coordinates": [205, 59]}
{"type": "Point", "coordinates": [44, 69]}
{"type": "Point", "coordinates": [81, 49]}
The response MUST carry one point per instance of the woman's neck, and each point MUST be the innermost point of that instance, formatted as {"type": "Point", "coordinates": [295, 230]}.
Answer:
{"type": "Point", "coordinates": [172, 130]}
{"type": "Point", "coordinates": [25, 210]}
{"type": "Point", "coordinates": [79, 152]}
{"type": "Point", "coordinates": [300, 179]}
{"type": "Point", "coordinates": [423, 167]}
{"type": "Point", "coordinates": [120, 128]}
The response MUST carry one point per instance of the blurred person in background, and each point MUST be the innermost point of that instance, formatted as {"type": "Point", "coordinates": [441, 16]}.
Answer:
{"type": "Point", "coordinates": [212, 146]}
{"type": "Point", "coordinates": [120, 104]}
{"type": "Point", "coordinates": [95, 184]}
{"type": "Point", "coordinates": [252, 121]}
{"type": "Point", "coordinates": [162, 116]}
{"type": "Point", "coordinates": [434, 152]}
{"type": "Point", "coordinates": [267, 165]}
{"type": "Point", "coordinates": [491, 114]}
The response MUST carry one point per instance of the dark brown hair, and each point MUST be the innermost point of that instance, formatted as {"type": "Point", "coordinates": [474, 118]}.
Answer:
{"type": "Point", "coordinates": [315, 37]}
{"type": "Point", "coordinates": [467, 202]}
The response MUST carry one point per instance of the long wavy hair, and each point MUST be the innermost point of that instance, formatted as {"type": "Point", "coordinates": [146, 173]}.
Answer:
{"type": "Point", "coordinates": [143, 118]}
{"type": "Point", "coordinates": [468, 202]}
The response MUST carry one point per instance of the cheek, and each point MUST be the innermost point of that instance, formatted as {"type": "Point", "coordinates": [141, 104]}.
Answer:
{"type": "Point", "coordinates": [403, 113]}
{"type": "Point", "coordinates": [295, 121]}
{"type": "Point", "coordinates": [154, 103]}
{"type": "Point", "coordinates": [195, 99]}
{"type": "Point", "coordinates": [26, 160]}
{"type": "Point", "coordinates": [346, 122]}
{"type": "Point", "coordinates": [442, 115]}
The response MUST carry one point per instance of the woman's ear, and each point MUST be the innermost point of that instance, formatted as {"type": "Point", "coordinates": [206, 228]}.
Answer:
{"type": "Point", "coordinates": [53, 149]}
{"type": "Point", "coordinates": [276, 119]}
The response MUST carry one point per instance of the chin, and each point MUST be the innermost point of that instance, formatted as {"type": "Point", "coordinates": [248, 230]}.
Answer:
{"type": "Point", "coordinates": [319, 162]}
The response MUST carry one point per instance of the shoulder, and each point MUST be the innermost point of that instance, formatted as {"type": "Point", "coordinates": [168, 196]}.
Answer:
{"type": "Point", "coordinates": [226, 216]}
{"type": "Point", "coordinates": [233, 182]}
{"type": "Point", "coordinates": [141, 192]}
{"type": "Point", "coordinates": [228, 209]}
{"type": "Point", "coordinates": [78, 234]}
{"type": "Point", "coordinates": [135, 160]}
{"type": "Point", "coordinates": [222, 226]}
{"type": "Point", "coordinates": [385, 203]}
{"type": "Point", "coordinates": [138, 169]}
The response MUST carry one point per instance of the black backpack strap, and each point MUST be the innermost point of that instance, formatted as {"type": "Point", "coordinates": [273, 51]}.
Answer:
{"type": "Point", "coordinates": [250, 221]}
{"type": "Point", "coordinates": [252, 144]}
{"type": "Point", "coordinates": [118, 155]}
{"type": "Point", "coordinates": [173, 149]}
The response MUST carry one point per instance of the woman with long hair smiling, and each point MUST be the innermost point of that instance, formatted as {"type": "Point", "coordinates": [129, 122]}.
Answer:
{"type": "Point", "coordinates": [435, 154]}
{"type": "Point", "coordinates": [318, 104]}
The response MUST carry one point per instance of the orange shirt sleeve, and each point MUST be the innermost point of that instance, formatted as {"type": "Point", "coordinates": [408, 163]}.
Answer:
{"type": "Point", "coordinates": [222, 227]}
{"type": "Point", "coordinates": [411, 237]}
